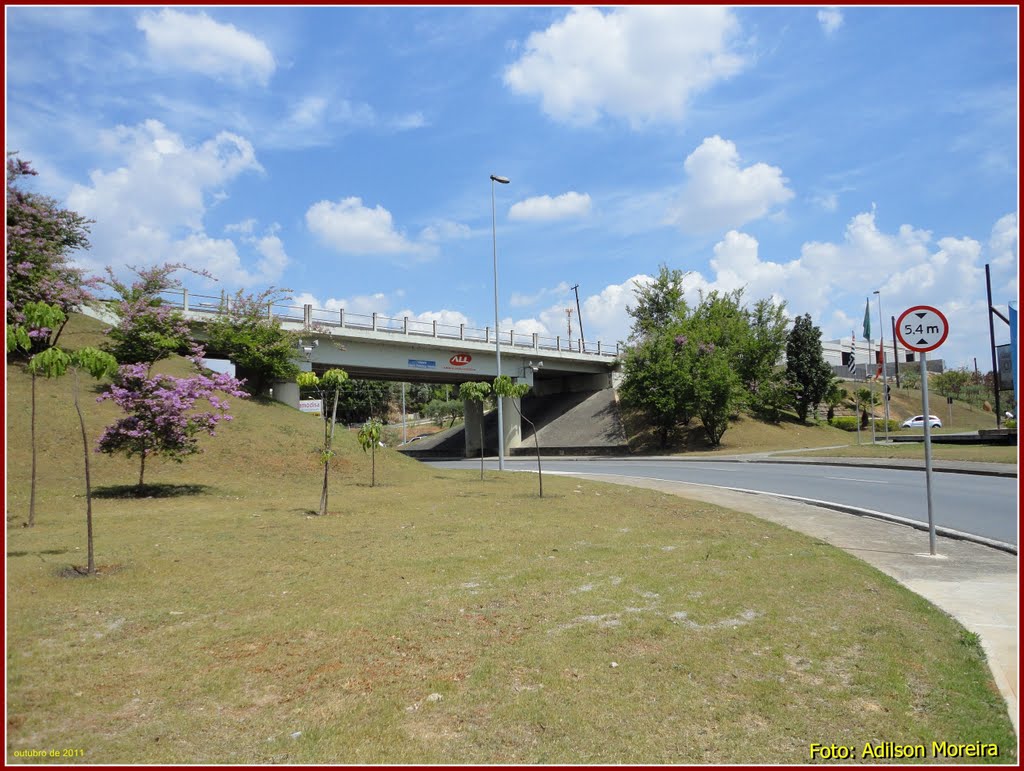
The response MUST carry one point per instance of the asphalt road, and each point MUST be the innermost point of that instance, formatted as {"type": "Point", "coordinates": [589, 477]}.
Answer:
{"type": "Point", "coordinates": [981, 505]}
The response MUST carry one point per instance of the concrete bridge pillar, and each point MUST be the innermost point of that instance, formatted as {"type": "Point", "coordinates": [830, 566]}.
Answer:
{"type": "Point", "coordinates": [513, 428]}
{"type": "Point", "coordinates": [473, 414]}
{"type": "Point", "coordinates": [286, 391]}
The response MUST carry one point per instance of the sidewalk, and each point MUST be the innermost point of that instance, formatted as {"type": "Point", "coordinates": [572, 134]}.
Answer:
{"type": "Point", "coordinates": [975, 584]}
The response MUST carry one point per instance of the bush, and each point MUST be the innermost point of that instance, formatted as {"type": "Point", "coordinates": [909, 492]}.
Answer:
{"type": "Point", "coordinates": [1009, 424]}
{"type": "Point", "coordinates": [845, 422]}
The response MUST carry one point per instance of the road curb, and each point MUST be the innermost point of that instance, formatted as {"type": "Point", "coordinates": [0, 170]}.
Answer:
{"type": "Point", "coordinates": [1012, 472]}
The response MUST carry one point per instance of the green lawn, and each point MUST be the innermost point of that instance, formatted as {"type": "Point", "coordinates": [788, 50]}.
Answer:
{"type": "Point", "coordinates": [439, 619]}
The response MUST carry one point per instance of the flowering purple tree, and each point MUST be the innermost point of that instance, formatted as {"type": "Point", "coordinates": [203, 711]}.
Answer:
{"type": "Point", "coordinates": [162, 414]}
{"type": "Point", "coordinates": [41, 237]}
{"type": "Point", "coordinates": [148, 329]}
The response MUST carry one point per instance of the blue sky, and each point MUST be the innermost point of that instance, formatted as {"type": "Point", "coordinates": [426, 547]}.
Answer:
{"type": "Point", "coordinates": [810, 154]}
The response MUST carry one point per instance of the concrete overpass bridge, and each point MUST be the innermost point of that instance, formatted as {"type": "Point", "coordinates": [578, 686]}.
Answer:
{"type": "Point", "coordinates": [377, 347]}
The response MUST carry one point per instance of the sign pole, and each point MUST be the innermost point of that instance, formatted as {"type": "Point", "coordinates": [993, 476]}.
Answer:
{"type": "Point", "coordinates": [923, 328]}
{"type": "Point", "coordinates": [927, 450]}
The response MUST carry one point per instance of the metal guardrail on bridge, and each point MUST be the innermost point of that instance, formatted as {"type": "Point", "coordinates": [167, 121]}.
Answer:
{"type": "Point", "coordinates": [315, 319]}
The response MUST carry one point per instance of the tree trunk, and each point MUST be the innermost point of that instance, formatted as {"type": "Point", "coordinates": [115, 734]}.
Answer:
{"type": "Point", "coordinates": [482, 442]}
{"type": "Point", "coordinates": [328, 443]}
{"type": "Point", "coordinates": [32, 488]}
{"type": "Point", "coordinates": [536, 442]}
{"type": "Point", "coordinates": [373, 464]}
{"type": "Point", "coordinates": [142, 467]}
{"type": "Point", "coordinates": [88, 485]}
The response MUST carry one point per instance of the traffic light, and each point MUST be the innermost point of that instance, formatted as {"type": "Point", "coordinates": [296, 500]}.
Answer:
{"type": "Point", "coordinates": [888, 392]}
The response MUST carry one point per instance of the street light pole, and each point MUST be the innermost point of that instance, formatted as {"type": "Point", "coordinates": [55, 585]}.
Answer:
{"type": "Point", "coordinates": [885, 377]}
{"type": "Point", "coordinates": [497, 336]}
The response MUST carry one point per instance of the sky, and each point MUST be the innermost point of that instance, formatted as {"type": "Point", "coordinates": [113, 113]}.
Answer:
{"type": "Point", "coordinates": [808, 154]}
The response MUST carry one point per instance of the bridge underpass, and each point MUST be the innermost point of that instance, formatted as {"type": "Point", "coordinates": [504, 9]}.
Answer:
{"type": "Point", "coordinates": [376, 347]}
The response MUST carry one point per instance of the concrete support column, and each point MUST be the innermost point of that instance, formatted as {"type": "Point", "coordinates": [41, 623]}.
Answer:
{"type": "Point", "coordinates": [473, 412]}
{"type": "Point", "coordinates": [287, 392]}
{"type": "Point", "coordinates": [513, 427]}
{"type": "Point", "coordinates": [184, 300]}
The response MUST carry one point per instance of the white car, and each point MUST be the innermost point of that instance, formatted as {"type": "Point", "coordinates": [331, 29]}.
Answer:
{"type": "Point", "coordinates": [918, 422]}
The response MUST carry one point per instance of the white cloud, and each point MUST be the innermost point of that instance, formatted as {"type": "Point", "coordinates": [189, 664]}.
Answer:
{"type": "Point", "coordinates": [720, 194]}
{"type": "Point", "coordinates": [445, 230]}
{"type": "Point", "coordinates": [544, 207]}
{"type": "Point", "coordinates": [831, 19]}
{"type": "Point", "coordinates": [639, 63]}
{"type": "Point", "coordinates": [151, 209]}
{"type": "Point", "coordinates": [519, 300]}
{"type": "Point", "coordinates": [351, 228]}
{"type": "Point", "coordinates": [197, 43]}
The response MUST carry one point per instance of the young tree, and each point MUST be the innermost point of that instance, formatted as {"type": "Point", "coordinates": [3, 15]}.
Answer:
{"type": "Point", "coordinates": [160, 416]}
{"type": "Point", "coordinates": [41, 239]}
{"type": "Point", "coordinates": [806, 367]}
{"type": "Point", "coordinates": [148, 329]}
{"type": "Point", "coordinates": [40, 326]}
{"type": "Point", "coordinates": [53, 362]}
{"type": "Point", "coordinates": [369, 438]}
{"type": "Point", "coordinates": [441, 410]}
{"type": "Point", "coordinates": [326, 387]}
{"type": "Point", "coordinates": [505, 388]}
{"type": "Point", "coordinates": [245, 332]}
{"type": "Point", "coordinates": [477, 392]}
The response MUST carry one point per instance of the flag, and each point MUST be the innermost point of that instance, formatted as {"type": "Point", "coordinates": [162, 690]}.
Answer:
{"type": "Point", "coordinates": [867, 319]}
{"type": "Point", "coordinates": [853, 353]}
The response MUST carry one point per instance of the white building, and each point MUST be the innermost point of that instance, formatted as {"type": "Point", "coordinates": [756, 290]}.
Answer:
{"type": "Point", "coordinates": [837, 353]}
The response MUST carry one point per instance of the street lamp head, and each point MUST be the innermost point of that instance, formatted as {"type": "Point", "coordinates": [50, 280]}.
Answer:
{"type": "Point", "coordinates": [502, 180]}
{"type": "Point", "coordinates": [876, 292]}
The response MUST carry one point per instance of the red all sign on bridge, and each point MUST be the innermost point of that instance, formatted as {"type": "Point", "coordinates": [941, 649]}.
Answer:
{"type": "Point", "coordinates": [922, 328]}
{"type": "Point", "coordinates": [460, 359]}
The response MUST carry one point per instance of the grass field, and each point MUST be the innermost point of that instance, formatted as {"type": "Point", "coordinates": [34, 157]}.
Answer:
{"type": "Point", "coordinates": [436, 618]}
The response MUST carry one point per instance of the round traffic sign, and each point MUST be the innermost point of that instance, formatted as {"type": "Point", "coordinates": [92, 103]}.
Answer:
{"type": "Point", "coordinates": [922, 328]}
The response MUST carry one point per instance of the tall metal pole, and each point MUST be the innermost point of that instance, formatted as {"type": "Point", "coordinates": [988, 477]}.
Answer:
{"type": "Point", "coordinates": [992, 338]}
{"type": "Point", "coordinates": [579, 316]}
{"type": "Point", "coordinates": [927, 450]}
{"type": "Point", "coordinates": [405, 435]}
{"type": "Point", "coordinates": [497, 336]}
{"type": "Point", "coordinates": [885, 378]}
{"type": "Point", "coordinates": [871, 385]}
{"type": "Point", "coordinates": [895, 351]}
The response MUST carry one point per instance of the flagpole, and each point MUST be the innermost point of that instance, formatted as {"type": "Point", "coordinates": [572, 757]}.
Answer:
{"type": "Point", "coordinates": [871, 383]}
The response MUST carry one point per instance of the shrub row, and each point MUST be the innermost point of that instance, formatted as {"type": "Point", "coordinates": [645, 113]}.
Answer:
{"type": "Point", "coordinates": [850, 423]}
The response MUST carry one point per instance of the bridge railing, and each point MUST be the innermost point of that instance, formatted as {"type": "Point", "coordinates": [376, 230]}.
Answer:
{"type": "Point", "coordinates": [321, 318]}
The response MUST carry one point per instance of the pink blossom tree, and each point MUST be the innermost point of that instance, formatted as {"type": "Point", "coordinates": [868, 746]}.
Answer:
{"type": "Point", "coordinates": [41, 240]}
{"type": "Point", "coordinates": [163, 418]}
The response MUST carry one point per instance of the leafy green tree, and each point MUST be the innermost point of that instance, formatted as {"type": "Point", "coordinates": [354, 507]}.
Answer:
{"type": "Point", "coordinates": [717, 390]}
{"type": "Point", "coordinates": [369, 438]}
{"type": "Point", "coordinates": [245, 333]}
{"type": "Point", "coordinates": [54, 362]}
{"type": "Point", "coordinates": [360, 400]}
{"type": "Point", "coordinates": [758, 356]}
{"type": "Point", "coordinates": [806, 367]}
{"type": "Point", "coordinates": [40, 326]}
{"type": "Point", "coordinates": [659, 303]}
{"type": "Point", "coordinates": [441, 410]}
{"type": "Point", "coordinates": [505, 388]}
{"type": "Point", "coordinates": [477, 392]}
{"type": "Point", "coordinates": [657, 381]}
{"type": "Point", "coordinates": [865, 400]}
{"type": "Point", "coordinates": [328, 386]}
{"type": "Point", "coordinates": [834, 397]}
{"type": "Point", "coordinates": [952, 382]}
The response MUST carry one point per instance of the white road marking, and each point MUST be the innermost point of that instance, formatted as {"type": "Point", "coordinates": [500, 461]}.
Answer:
{"type": "Point", "coordinates": [855, 479]}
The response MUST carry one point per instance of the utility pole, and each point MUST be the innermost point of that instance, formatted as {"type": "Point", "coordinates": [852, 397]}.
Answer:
{"type": "Point", "coordinates": [568, 317]}
{"type": "Point", "coordinates": [579, 316]}
{"type": "Point", "coordinates": [992, 338]}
